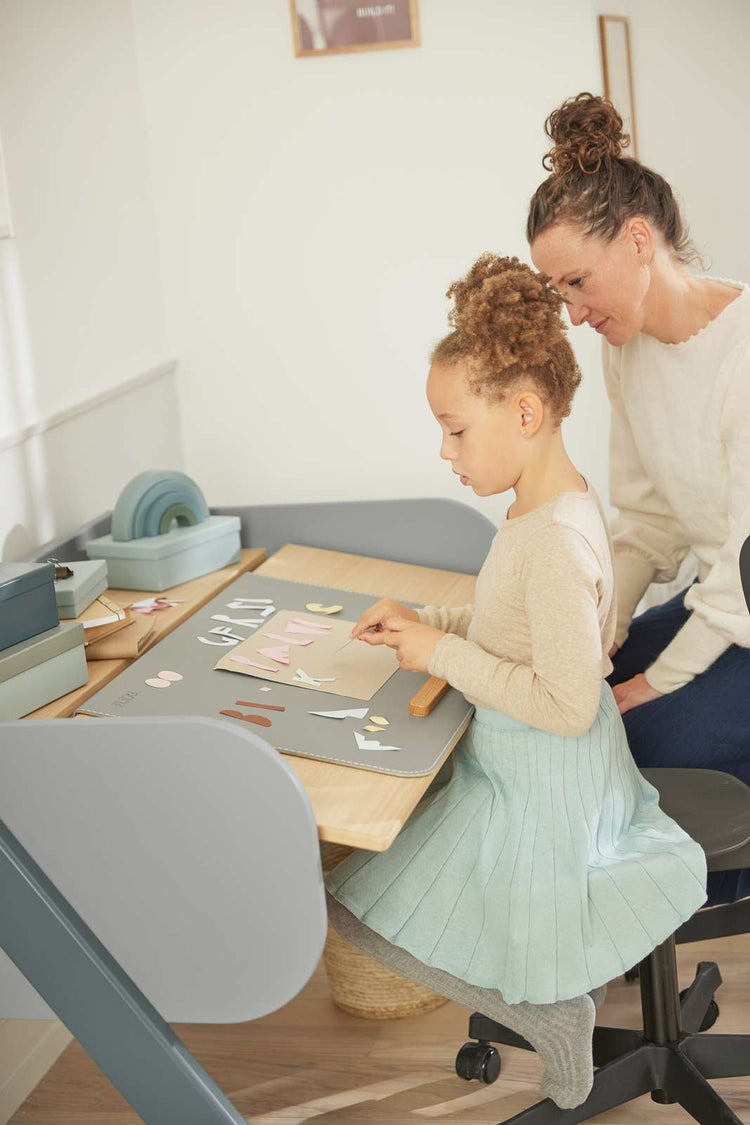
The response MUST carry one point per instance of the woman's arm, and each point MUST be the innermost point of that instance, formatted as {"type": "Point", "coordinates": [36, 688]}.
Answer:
{"type": "Point", "coordinates": [561, 689]}
{"type": "Point", "coordinates": [719, 615]}
{"type": "Point", "coordinates": [648, 542]}
{"type": "Point", "coordinates": [449, 619]}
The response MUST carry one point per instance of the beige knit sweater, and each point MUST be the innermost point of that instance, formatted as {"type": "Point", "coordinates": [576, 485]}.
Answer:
{"type": "Point", "coordinates": [534, 643]}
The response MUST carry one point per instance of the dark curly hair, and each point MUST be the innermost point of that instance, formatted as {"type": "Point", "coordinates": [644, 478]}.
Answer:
{"type": "Point", "coordinates": [508, 328]}
{"type": "Point", "coordinates": [593, 185]}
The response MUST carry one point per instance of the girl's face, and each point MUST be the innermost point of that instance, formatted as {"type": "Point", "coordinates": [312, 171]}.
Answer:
{"type": "Point", "coordinates": [482, 439]}
{"type": "Point", "coordinates": [602, 283]}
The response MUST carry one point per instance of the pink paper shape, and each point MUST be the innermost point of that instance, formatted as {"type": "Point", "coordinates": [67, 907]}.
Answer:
{"type": "Point", "coordinates": [286, 640]}
{"type": "Point", "coordinates": [314, 624]}
{"type": "Point", "coordinates": [303, 629]}
{"type": "Point", "coordinates": [280, 653]}
{"type": "Point", "coordinates": [244, 660]}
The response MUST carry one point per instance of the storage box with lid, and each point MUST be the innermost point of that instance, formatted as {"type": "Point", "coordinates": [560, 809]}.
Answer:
{"type": "Point", "coordinates": [41, 669]}
{"type": "Point", "coordinates": [74, 594]}
{"type": "Point", "coordinates": [159, 562]}
{"type": "Point", "coordinates": [27, 601]}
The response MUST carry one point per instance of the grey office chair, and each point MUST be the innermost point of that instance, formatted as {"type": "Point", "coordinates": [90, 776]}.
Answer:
{"type": "Point", "coordinates": [151, 870]}
{"type": "Point", "coordinates": [669, 1058]}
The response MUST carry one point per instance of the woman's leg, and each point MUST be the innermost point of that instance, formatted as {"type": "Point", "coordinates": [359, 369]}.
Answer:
{"type": "Point", "coordinates": [704, 725]}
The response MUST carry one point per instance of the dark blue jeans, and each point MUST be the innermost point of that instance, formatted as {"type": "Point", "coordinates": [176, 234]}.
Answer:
{"type": "Point", "coordinates": [705, 724]}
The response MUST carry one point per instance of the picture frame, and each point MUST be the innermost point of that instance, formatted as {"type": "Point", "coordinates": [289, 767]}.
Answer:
{"type": "Point", "coordinates": [617, 70]}
{"type": "Point", "coordinates": [334, 27]}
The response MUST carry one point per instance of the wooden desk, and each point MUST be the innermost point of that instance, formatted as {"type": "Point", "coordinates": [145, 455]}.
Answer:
{"type": "Point", "coordinates": [360, 808]}
{"type": "Point", "coordinates": [363, 808]}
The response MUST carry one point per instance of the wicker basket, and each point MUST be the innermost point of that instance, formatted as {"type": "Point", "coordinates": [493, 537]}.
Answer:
{"type": "Point", "coordinates": [362, 986]}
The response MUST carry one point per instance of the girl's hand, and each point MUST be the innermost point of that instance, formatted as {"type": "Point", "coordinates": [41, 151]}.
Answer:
{"type": "Point", "coordinates": [631, 693]}
{"type": "Point", "coordinates": [615, 648]}
{"type": "Point", "coordinates": [414, 643]}
{"type": "Point", "coordinates": [375, 615]}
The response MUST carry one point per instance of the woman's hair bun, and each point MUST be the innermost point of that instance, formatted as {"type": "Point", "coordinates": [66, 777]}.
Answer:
{"type": "Point", "coordinates": [585, 129]}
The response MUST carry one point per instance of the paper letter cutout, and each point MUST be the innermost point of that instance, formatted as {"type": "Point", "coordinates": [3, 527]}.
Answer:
{"type": "Point", "coordinates": [280, 653]}
{"type": "Point", "coordinates": [355, 713]}
{"type": "Point", "coordinates": [286, 640]}
{"type": "Point", "coordinates": [371, 743]}
{"type": "Point", "coordinates": [244, 660]}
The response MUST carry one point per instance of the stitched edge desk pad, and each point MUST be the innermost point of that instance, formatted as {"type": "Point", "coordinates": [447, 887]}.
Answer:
{"type": "Point", "coordinates": [204, 690]}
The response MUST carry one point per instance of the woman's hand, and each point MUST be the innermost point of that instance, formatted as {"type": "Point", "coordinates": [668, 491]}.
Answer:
{"type": "Point", "coordinates": [375, 615]}
{"type": "Point", "coordinates": [631, 693]}
{"type": "Point", "coordinates": [615, 648]}
{"type": "Point", "coordinates": [413, 643]}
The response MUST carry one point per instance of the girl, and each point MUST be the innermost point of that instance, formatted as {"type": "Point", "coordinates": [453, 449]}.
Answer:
{"type": "Point", "coordinates": [544, 867]}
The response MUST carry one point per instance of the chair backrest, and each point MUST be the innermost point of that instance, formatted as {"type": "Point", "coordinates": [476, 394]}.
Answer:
{"type": "Point", "coordinates": [189, 847]}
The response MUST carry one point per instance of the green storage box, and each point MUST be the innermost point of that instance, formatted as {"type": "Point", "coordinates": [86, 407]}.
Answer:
{"type": "Point", "coordinates": [27, 601]}
{"type": "Point", "coordinates": [158, 562]}
{"type": "Point", "coordinates": [77, 593]}
{"type": "Point", "coordinates": [41, 669]}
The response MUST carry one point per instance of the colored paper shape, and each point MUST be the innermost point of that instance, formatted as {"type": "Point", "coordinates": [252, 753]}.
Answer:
{"type": "Point", "coordinates": [374, 730]}
{"type": "Point", "coordinates": [314, 624]}
{"type": "Point", "coordinates": [286, 640]}
{"type": "Point", "coordinates": [316, 607]}
{"type": "Point", "coordinates": [280, 653]}
{"type": "Point", "coordinates": [174, 677]}
{"type": "Point", "coordinates": [379, 719]}
{"type": "Point", "coordinates": [259, 720]}
{"type": "Point", "coordinates": [305, 629]}
{"type": "Point", "coordinates": [355, 713]}
{"type": "Point", "coordinates": [302, 677]}
{"type": "Point", "coordinates": [371, 743]}
{"type": "Point", "coordinates": [238, 658]}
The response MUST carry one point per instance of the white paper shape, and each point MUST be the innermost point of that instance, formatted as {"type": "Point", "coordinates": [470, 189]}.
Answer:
{"type": "Point", "coordinates": [264, 689]}
{"type": "Point", "coordinates": [371, 743]}
{"type": "Point", "coordinates": [355, 713]}
{"type": "Point", "coordinates": [303, 678]}
{"type": "Point", "coordinates": [175, 677]}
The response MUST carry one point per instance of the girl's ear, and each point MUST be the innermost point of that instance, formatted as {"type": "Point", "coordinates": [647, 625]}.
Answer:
{"type": "Point", "coordinates": [530, 413]}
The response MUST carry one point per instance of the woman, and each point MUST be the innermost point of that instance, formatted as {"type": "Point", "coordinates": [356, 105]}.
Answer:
{"type": "Point", "coordinates": [608, 232]}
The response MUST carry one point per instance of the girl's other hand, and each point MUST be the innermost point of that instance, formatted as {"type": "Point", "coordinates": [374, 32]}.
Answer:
{"type": "Point", "coordinates": [374, 617]}
{"type": "Point", "coordinates": [413, 642]}
{"type": "Point", "coordinates": [634, 692]}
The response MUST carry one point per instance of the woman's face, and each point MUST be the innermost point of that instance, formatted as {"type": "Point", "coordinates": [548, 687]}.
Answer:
{"type": "Point", "coordinates": [481, 438]}
{"type": "Point", "coordinates": [602, 283]}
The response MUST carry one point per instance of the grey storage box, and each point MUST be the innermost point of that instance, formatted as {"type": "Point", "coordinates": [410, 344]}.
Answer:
{"type": "Point", "coordinates": [157, 562]}
{"type": "Point", "coordinates": [27, 601]}
{"type": "Point", "coordinates": [75, 594]}
{"type": "Point", "coordinates": [41, 669]}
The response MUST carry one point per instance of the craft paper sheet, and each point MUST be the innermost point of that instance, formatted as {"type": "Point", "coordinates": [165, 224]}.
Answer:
{"type": "Point", "coordinates": [357, 671]}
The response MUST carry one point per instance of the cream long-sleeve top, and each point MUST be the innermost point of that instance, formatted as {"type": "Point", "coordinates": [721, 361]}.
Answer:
{"type": "Point", "coordinates": [534, 642]}
{"type": "Point", "coordinates": [680, 477]}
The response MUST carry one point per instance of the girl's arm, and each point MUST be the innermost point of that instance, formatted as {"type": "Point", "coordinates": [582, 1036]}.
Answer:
{"type": "Point", "coordinates": [449, 619]}
{"type": "Point", "coordinates": [560, 689]}
{"type": "Point", "coordinates": [719, 616]}
{"type": "Point", "coordinates": [648, 542]}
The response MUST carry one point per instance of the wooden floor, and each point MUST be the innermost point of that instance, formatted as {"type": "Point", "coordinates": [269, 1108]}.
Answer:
{"type": "Point", "coordinates": [312, 1062]}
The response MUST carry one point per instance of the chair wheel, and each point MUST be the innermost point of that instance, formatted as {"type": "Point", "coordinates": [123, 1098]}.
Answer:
{"type": "Point", "coordinates": [478, 1060]}
{"type": "Point", "coordinates": [711, 1016]}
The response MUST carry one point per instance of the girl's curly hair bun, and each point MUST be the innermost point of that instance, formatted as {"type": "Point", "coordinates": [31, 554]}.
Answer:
{"type": "Point", "coordinates": [507, 325]}
{"type": "Point", "coordinates": [585, 129]}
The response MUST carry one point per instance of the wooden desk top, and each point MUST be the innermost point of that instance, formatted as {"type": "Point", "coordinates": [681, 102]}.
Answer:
{"type": "Point", "coordinates": [361, 807]}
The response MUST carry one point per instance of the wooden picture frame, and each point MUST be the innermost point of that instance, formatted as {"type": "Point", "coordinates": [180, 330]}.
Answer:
{"type": "Point", "coordinates": [617, 69]}
{"type": "Point", "coordinates": [335, 27]}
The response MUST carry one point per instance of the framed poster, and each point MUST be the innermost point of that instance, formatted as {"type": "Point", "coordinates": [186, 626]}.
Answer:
{"type": "Point", "coordinates": [617, 68]}
{"type": "Point", "coordinates": [329, 27]}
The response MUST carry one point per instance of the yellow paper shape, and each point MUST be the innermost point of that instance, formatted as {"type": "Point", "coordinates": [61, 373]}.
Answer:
{"type": "Point", "coordinates": [374, 729]}
{"type": "Point", "coordinates": [316, 607]}
{"type": "Point", "coordinates": [379, 719]}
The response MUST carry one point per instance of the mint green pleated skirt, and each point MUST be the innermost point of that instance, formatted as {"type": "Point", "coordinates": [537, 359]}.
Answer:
{"type": "Point", "coordinates": [544, 867]}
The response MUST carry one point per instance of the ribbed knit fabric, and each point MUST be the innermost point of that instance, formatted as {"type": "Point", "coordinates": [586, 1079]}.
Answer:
{"type": "Point", "coordinates": [543, 868]}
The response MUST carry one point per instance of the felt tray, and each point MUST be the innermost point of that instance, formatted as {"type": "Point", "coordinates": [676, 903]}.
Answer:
{"type": "Point", "coordinates": [205, 690]}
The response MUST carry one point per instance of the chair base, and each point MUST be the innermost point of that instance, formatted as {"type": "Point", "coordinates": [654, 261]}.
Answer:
{"type": "Point", "coordinates": [630, 1065]}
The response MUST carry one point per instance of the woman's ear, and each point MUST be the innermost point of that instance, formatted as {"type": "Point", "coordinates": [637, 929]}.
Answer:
{"type": "Point", "coordinates": [642, 238]}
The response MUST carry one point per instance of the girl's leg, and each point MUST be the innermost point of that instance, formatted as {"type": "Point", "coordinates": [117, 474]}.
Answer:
{"type": "Point", "coordinates": [560, 1033]}
{"type": "Point", "coordinates": [704, 725]}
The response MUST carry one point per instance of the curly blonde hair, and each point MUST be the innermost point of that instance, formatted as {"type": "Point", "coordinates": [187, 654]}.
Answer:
{"type": "Point", "coordinates": [508, 328]}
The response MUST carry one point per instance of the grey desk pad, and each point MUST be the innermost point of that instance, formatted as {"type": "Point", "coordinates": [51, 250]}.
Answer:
{"type": "Point", "coordinates": [207, 691]}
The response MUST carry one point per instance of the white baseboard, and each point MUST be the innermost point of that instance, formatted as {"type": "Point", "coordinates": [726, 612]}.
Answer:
{"type": "Point", "coordinates": [28, 1048]}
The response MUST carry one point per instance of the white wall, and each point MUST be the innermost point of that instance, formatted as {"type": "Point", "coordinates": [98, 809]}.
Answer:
{"type": "Point", "coordinates": [311, 214]}
{"type": "Point", "coordinates": [81, 309]}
